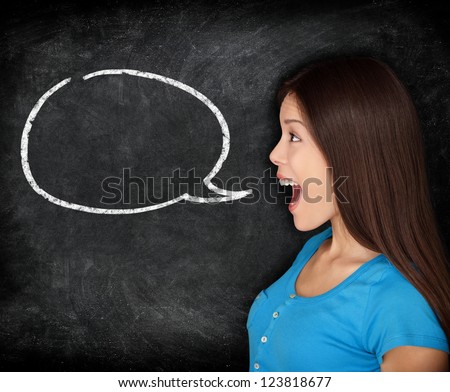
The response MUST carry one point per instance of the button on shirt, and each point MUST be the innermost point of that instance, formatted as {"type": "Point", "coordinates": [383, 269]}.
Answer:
{"type": "Point", "coordinates": [345, 329]}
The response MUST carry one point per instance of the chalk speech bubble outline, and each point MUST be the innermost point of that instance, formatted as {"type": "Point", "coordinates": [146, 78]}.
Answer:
{"type": "Point", "coordinates": [231, 195]}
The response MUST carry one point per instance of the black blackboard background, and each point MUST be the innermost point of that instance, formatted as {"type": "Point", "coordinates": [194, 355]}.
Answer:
{"type": "Point", "coordinates": [169, 290]}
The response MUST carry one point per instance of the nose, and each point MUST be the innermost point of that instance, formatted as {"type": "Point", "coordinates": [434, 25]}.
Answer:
{"type": "Point", "coordinates": [277, 156]}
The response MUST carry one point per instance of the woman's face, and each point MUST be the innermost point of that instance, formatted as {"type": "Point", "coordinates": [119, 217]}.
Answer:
{"type": "Point", "coordinates": [299, 159]}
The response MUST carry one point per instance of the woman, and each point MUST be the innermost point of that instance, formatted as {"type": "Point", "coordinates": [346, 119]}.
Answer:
{"type": "Point", "coordinates": [372, 291]}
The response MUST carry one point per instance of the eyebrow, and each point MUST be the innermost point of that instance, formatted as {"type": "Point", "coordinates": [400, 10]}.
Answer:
{"type": "Point", "coordinates": [291, 120]}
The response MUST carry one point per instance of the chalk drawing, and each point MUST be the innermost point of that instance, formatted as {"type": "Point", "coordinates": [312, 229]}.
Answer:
{"type": "Point", "coordinates": [227, 195]}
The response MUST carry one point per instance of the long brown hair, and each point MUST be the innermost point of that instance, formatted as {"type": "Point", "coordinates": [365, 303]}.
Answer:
{"type": "Point", "coordinates": [364, 121]}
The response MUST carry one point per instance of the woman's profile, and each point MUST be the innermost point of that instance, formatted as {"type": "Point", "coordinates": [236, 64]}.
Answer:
{"type": "Point", "coordinates": [372, 291]}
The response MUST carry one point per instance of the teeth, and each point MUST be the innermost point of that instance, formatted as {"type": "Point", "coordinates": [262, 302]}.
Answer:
{"type": "Point", "coordinates": [286, 182]}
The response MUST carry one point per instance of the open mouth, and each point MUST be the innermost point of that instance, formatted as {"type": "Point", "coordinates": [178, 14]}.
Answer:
{"type": "Point", "coordinates": [296, 191]}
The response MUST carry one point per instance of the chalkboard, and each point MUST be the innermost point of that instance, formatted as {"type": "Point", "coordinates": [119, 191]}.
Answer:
{"type": "Point", "coordinates": [97, 100]}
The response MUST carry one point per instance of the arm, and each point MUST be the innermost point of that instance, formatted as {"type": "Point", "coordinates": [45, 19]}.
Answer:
{"type": "Point", "coordinates": [414, 359]}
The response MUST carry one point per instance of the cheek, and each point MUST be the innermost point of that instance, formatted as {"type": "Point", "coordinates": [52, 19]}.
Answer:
{"type": "Point", "coordinates": [312, 193]}
{"type": "Point", "coordinates": [316, 185]}
{"type": "Point", "coordinates": [294, 156]}
{"type": "Point", "coordinates": [300, 163]}
{"type": "Point", "coordinates": [310, 168]}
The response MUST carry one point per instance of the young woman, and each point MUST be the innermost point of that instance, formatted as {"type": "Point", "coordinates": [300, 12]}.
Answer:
{"type": "Point", "coordinates": [372, 291]}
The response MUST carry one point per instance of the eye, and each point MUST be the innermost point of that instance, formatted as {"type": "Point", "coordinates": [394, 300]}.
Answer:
{"type": "Point", "coordinates": [292, 135]}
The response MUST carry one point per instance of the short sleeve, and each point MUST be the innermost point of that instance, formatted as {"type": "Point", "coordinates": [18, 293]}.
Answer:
{"type": "Point", "coordinates": [397, 314]}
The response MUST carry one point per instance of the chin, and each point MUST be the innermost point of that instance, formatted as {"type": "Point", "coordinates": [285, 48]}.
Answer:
{"type": "Point", "coordinates": [303, 224]}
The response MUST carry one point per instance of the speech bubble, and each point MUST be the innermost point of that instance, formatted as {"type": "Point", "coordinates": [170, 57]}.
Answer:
{"type": "Point", "coordinates": [229, 195]}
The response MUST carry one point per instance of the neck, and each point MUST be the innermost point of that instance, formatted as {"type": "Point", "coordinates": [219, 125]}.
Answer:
{"type": "Point", "coordinates": [343, 247]}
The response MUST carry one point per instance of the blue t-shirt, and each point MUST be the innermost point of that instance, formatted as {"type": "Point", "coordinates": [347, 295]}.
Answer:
{"type": "Point", "coordinates": [346, 329]}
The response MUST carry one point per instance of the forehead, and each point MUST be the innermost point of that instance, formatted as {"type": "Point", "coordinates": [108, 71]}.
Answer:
{"type": "Point", "coordinates": [290, 107]}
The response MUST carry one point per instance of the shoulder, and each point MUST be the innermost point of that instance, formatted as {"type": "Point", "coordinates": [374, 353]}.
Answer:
{"type": "Point", "coordinates": [390, 284]}
{"type": "Point", "coordinates": [393, 294]}
{"type": "Point", "coordinates": [397, 314]}
{"type": "Point", "coordinates": [391, 291]}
